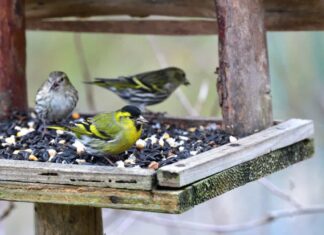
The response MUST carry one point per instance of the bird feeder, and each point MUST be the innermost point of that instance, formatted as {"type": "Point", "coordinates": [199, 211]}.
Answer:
{"type": "Point", "coordinates": [72, 195]}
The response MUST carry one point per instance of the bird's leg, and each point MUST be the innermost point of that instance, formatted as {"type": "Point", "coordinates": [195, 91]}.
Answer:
{"type": "Point", "coordinates": [109, 161]}
{"type": "Point", "coordinates": [42, 128]}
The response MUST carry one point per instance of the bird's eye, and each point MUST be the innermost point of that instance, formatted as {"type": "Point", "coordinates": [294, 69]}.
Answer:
{"type": "Point", "coordinates": [61, 80]}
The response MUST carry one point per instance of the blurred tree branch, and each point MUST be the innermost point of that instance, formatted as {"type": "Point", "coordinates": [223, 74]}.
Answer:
{"type": "Point", "coordinates": [85, 71]}
{"type": "Point", "coordinates": [268, 218]}
{"type": "Point", "coordinates": [7, 211]}
{"type": "Point", "coordinates": [163, 64]}
{"type": "Point", "coordinates": [280, 193]}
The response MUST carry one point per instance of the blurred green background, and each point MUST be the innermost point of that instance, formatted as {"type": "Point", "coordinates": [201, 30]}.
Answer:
{"type": "Point", "coordinates": [297, 77]}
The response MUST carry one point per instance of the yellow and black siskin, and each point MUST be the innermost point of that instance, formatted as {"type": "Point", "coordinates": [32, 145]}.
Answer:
{"type": "Point", "coordinates": [147, 88]}
{"type": "Point", "coordinates": [108, 133]}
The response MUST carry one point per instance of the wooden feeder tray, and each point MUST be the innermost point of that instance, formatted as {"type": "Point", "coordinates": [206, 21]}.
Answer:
{"type": "Point", "coordinates": [173, 188]}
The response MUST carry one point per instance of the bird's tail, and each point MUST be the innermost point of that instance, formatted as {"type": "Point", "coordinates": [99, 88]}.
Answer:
{"type": "Point", "coordinates": [105, 82]}
{"type": "Point", "coordinates": [110, 83]}
{"type": "Point", "coordinates": [59, 128]}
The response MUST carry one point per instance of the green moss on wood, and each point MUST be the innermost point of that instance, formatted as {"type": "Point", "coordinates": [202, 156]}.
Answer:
{"type": "Point", "coordinates": [244, 173]}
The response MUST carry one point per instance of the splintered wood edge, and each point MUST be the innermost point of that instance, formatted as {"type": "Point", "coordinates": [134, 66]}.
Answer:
{"type": "Point", "coordinates": [190, 170]}
{"type": "Point", "coordinates": [160, 200]}
{"type": "Point", "coordinates": [67, 174]}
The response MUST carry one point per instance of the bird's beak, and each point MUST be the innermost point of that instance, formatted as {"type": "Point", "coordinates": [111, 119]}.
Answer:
{"type": "Point", "coordinates": [186, 83]}
{"type": "Point", "coordinates": [141, 120]}
{"type": "Point", "coordinates": [54, 86]}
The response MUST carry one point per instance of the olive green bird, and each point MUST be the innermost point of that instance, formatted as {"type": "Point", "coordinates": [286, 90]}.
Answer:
{"type": "Point", "coordinates": [108, 133]}
{"type": "Point", "coordinates": [147, 88]}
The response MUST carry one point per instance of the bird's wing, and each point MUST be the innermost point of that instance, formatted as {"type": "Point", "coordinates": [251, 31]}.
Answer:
{"type": "Point", "coordinates": [105, 124]}
{"type": "Point", "coordinates": [152, 82]}
{"type": "Point", "coordinates": [120, 83]}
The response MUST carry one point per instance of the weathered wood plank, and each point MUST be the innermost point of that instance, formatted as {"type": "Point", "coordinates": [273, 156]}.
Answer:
{"type": "Point", "coordinates": [54, 219]}
{"type": "Point", "coordinates": [36, 9]}
{"type": "Point", "coordinates": [13, 92]}
{"type": "Point", "coordinates": [246, 172]}
{"type": "Point", "coordinates": [162, 200]}
{"type": "Point", "coordinates": [92, 176]}
{"type": "Point", "coordinates": [279, 15]}
{"type": "Point", "coordinates": [157, 27]}
{"type": "Point", "coordinates": [155, 201]}
{"type": "Point", "coordinates": [219, 159]}
{"type": "Point", "coordinates": [243, 83]}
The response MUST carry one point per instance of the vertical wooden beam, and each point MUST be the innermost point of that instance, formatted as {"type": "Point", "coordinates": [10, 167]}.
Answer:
{"type": "Point", "coordinates": [53, 219]}
{"type": "Point", "coordinates": [243, 84]}
{"type": "Point", "coordinates": [13, 95]}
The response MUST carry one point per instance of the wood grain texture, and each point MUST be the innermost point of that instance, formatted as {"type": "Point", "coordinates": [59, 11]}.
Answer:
{"type": "Point", "coordinates": [279, 15]}
{"type": "Point", "coordinates": [162, 200]}
{"type": "Point", "coordinates": [54, 219]}
{"type": "Point", "coordinates": [157, 27]}
{"type": "Point", "coordinates": [13, 94]}
{"type": "Point", "coordinates": [243, 84]}
{"type": "Point", "coordinates": [93, 176]}
{"type": "Point", "coordinates": [138, 8]}
{"type": "Point", "coordinates": [190, 170]}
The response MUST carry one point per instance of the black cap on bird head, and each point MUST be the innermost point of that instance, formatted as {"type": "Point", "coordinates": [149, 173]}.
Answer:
{"type": "Point", "coordinates": [133, 110]}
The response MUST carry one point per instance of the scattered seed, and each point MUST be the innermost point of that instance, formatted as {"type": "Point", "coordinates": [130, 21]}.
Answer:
{"type": "Point", "coordinates": [120, 164]}
{"type": "Point", "coordinates": [140, 144]}
{"type": "Point", "coordinates": [172, 142]}
{"type": "Point", "coordinates": [161, 142]}
{"type": "Point", "coordinates": [75, 115]}
{"type": "Point", "coordinates": [184, 138]}
{"type": "Point", "coordinates": [80, 148]}
{"type": "Point", "coordinates": [153, 165]}
{"type": "Point", "coordinates": [32, 158]}
{"type": "Point", "coordinates": [60, 132]}
{"type": "Point", "coordinates": [165, 136]}
{"type": "Point", "coordinates": [24, 131]}
{"type": "Point", "coordinates": [232, 139]}
{"type": "Point", "coordinates": [181, 148]}
{"type": "Point", "coordinates": [10, 140]}
{"type": "Point", "coordinates": [51, 152]}
{"type": "Point", "coordinates": [80, 161]}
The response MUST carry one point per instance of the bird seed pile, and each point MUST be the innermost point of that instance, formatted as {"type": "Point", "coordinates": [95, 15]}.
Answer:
{"type": "Point", "coordinates": [160, 144]}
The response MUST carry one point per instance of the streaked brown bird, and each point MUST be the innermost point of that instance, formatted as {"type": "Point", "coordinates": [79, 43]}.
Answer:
{"type": "Point", "coordinates": [56, 98]}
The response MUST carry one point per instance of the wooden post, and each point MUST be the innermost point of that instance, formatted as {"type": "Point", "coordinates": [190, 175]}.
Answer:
{"type": "Point", "coordinates": [13, 95]}
{"type": "Point", "coordinates": [54, 219]}
{"type": "Point", "coordinates": [243, 84]}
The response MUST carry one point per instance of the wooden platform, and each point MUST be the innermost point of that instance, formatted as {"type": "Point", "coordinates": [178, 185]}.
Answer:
{"type": "Point", "coordinates": [171, 189]}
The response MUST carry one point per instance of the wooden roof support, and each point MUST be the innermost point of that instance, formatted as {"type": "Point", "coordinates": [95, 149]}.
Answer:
{"type": "Point", "coordinates": [13, 94]}
{"type": "Point", "coordinates": [243, 84]}
{"type": "Point", "coordinates": [279, 15]}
